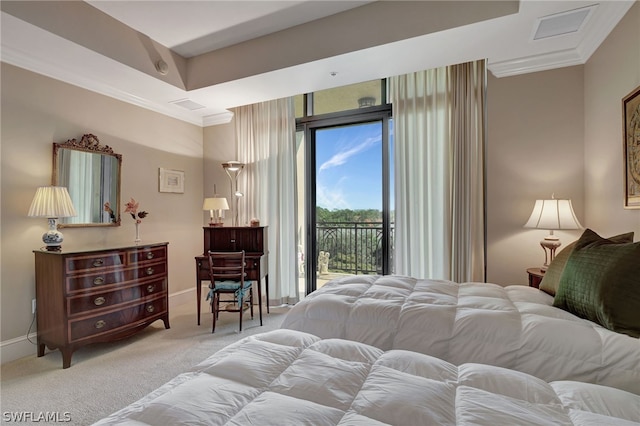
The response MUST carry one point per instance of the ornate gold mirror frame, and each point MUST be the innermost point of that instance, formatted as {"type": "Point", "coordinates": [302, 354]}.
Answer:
{"type": "Point", "coordinates": [91, 172]}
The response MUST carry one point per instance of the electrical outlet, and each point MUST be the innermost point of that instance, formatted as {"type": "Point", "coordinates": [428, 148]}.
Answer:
{"type": "Point", "coordinates": [33, 306]}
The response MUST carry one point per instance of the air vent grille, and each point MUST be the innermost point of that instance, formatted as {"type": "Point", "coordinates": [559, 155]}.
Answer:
{"type": "Point", "coordinates": [188, 104]}
{"type": "Point", "coordinates": [562, 23]}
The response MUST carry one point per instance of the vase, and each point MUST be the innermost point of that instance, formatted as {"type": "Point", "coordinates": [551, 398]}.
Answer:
{"type": "Point", "coordinates": [137, 240]}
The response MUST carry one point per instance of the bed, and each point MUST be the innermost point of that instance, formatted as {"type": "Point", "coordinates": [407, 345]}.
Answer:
{"type": "Point", "coordinates": [515, 327]}
{"type": "Point", "coordinates": [583, 325]}
{"type": "Point", "coordinates": [285, 377]}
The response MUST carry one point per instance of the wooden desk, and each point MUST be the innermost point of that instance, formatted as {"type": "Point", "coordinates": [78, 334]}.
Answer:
{"type": "Point", "coordinates": [253, 240]}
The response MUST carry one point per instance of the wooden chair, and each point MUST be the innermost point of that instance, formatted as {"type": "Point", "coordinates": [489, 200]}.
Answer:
{"type": "Point", "coordinates": [227, 277]}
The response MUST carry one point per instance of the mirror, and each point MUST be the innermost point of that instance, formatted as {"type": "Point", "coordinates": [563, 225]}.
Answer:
{"type": "Point", "coordinates": [91, 173]}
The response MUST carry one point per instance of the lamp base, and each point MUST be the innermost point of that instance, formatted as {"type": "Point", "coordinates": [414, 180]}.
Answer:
{"type": "Point", "coordinates": [550, 244]}
{"type": "Point", "coordinates": [53, 238]}
{"type": "Point", "coordinates": [216, 224]}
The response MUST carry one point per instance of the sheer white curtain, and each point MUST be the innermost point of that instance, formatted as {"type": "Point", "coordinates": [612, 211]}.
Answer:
{"type": "Point", "coordinates": [439, 172]}
{"type": "Point", "coordinates": [265, 135]}
{"type": "Point", "coordinates": [77, 169]}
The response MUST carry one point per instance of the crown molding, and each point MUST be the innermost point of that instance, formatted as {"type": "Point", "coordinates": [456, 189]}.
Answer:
{"type": "Point", "coordinates": [525, 65]}
{"type": "Point", "coordinates": [215, 119]}
{"type": "Point", "coordinates": [22, 59]}
{"type": "Point", "coordinates": [602, 25]}
{"type": "Point", "coordinates": [22, 56]}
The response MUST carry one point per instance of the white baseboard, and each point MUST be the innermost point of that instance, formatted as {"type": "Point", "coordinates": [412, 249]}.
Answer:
{"type": "Point", "coordinates": [20, 347]}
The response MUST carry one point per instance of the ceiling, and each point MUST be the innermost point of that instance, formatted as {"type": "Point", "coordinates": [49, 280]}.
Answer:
{"type": "Point", "coordinates": [194, 60]}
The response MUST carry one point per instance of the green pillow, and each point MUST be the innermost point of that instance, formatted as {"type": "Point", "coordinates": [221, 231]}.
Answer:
{"type": "Point", "coordinates": [601, 283]}
{"type": "Point", "coordinates": [551, 279]}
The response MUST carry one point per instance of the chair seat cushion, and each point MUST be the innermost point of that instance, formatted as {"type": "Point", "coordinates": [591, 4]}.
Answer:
{"type": "Point", "coordinates": [230, 286]}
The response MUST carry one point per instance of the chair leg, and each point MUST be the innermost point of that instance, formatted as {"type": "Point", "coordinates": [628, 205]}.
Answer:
{"type": "Point", "coordinates": [215, 306]}
{"type": "Point", "coordinates": [241, 311]}
{"type": "Point", "coordinates": [251, 300]}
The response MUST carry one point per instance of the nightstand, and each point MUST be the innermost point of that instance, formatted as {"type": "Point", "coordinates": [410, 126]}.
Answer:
{"type": "Point", "coordinates": [535, 277]}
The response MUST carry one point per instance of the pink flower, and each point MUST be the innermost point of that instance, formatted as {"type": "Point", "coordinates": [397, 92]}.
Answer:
{"type": "Point", "coordinates": [108, 209]}
{"type": "Point", "coordinates": [132, 208]}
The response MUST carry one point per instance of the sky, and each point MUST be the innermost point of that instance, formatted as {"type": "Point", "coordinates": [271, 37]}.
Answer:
{"type": "Point", "coordinates": [349, 167]}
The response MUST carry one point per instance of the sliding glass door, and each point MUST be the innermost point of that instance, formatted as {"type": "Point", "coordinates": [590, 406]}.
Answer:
{"type": "Point", "coordinates": [345, 180]}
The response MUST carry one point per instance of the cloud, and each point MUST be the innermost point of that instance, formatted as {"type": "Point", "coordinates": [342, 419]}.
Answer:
{"type": "Point", "coordinates": [331, 198]}
{"type": "Point", "coordinates": [341, 157]}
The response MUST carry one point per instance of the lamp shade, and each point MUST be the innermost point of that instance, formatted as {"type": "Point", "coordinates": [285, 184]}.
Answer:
{"type": "Point", "coordinates": [52, 202]}
{"type": "Point", "coordinates": [216, 203]}
{"type": "Point", "coordinates": [553, 214]}
{"type": "Point", "coordinates": [233, 166]}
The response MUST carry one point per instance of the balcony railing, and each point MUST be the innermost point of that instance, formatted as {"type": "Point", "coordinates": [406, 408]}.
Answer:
{"type": "Point", "coordinates": [352, 247]}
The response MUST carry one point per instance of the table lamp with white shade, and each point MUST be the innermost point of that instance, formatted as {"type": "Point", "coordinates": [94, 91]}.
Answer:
{"type": "Point", "coordinates": [52, 202]}
{"type": "Point", "coordinates": [217, 204]}
{"type": "Point", "coordinates": [553, 214]}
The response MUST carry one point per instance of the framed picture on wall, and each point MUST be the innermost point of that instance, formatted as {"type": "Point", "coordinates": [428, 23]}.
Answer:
{"type": "Point", "coordinates": [171, 180]}
{"type": "Point", "coordinates": [631, 134]}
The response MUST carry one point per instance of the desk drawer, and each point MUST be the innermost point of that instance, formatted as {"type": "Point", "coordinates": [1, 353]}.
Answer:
{"type": "Point", "coordinates": [106, 322]}
{"type": "Point", "coordinates": [252, 268]}
{"type": "Point", "coordinates": [102, 279]}
{"type": "Point", "coordinates": [106, 299]}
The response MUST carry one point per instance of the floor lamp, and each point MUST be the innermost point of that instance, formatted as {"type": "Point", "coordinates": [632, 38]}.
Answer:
{"type": "Point", "coordinates": [233, 169]}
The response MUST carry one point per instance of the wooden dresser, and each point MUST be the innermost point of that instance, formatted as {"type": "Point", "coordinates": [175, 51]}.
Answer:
{"type": "Point", "coordinates": [90, 296]}
{"type": "Point", "coordinates": [252, 239]}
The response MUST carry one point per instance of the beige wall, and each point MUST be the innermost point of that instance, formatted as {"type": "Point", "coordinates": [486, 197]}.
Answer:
{"type": "Point", "coordinates": [534, 149]}
{"type": "Point", "coordinates": [559, 131]}
{"type": "Point", "coordinates": [37, 111]}
{"type": "Point", "coordinates": [611, 73]}
{"type": "Point", "coordinates": [219, 147]}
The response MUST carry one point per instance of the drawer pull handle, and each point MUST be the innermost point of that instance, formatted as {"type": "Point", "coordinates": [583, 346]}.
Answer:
{"type": "Point", "coordinates": [150, 271]}
{"type": "Point", "coordinates": [150, 308]}
{"type": "Point", "coordinates": [150, 255]}
{"type": "Point", "coordinates": [98, 281]}
{"type": "Point", "coordinates": [100, 324]}
{"type": "Point", "coordinates": [99, 301]}
{"type": "Point", "coordinates": [98, 262]}
{"type": "Point", "coordinates": [151, 288]}
{"type": "Point", "coordinates": [233, 241]}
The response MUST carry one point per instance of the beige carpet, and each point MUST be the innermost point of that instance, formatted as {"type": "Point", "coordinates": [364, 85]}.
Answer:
{"type": "Point", "coordinates": [105, 377]}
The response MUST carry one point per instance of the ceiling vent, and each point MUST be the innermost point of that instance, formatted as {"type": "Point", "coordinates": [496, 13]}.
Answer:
{"type": "Point", "coordinates": [562, 23]}
{"type": "Point", "coordinates": [188, 104]}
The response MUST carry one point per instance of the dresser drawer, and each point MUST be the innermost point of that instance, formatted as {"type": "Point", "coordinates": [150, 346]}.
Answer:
{"type": "Point", "coordinates": [100, 280]}
{"type": "Point", "coordinates": [94, 261]}
{"type": "Point", "coordinates": [145, 254]}
{"type": "Point", "coordinates": [111, 321]}
{"type": "Point", "coordinates": [107, 299]}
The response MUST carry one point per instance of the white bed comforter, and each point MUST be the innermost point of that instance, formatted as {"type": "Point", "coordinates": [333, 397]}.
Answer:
{"type": "Point", "coordinates": [286, 377]}
{"type": "Point", "coordinates": [515, 327]}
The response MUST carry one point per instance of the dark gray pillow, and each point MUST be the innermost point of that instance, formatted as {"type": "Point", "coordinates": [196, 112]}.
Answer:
{"type": "Point", "coordinates": [551, 279]}
{"type": "Point", "coordinates": [601, 283]}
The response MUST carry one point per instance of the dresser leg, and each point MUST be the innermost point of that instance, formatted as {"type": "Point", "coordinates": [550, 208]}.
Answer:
{"type": "Point", "coordinates": [66, 357]}
{"type": "Point", "coordinates": [165, 320]}
{"type": "Point", "coordinates": [40, 349]}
